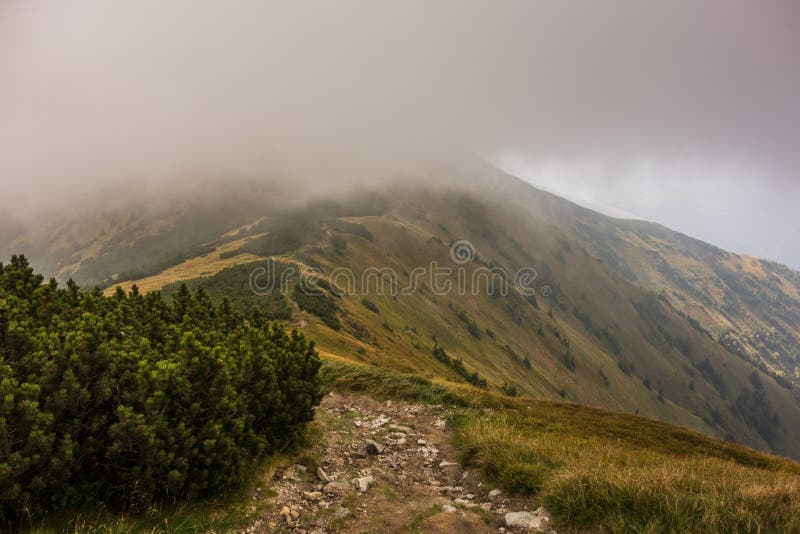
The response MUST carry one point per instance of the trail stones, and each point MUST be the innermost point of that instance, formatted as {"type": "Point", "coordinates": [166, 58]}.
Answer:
{"type": "Point", "coordinates": [362, 484]}
{"type": "Point", "coordinates": [322, 476]}
{"type": "Point", "coordinates": [337, 487]}
{"type": "Point", "coordinates": [379, 421]}
{"type": "Point", "coordinates": [370, 453]}
{"type": "Point", "coordinates": [289, 515]}
{"type": "Point", "coordinates": [342, 513]}
{"type": "Point", "coordinates": [535, 521]}
{"type": "Point", "coordinates": [373, 447]}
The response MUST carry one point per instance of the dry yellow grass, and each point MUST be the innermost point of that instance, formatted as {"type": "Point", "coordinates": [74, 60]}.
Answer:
{"type": "Point", "coordinates": [206, 265]}
{"type": "Point", "coordinates": [617, 482]}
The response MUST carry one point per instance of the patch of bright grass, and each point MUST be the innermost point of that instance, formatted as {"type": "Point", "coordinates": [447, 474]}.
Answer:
{"type": "Point", "coordinates": [385, 384]}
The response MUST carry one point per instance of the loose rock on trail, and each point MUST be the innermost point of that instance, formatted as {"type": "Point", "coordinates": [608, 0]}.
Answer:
{"type": "Point", "coordinates": [388, 467]}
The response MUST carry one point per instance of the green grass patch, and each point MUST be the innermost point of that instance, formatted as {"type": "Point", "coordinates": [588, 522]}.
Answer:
{"type": "Point", "coordinates": [419, 519]}
{"type": "Point", "coordinates": [385, 384]}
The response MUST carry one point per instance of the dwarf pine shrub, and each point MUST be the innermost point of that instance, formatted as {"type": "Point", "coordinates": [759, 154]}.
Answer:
{"type": "Point", "coordinates": [135, 398]}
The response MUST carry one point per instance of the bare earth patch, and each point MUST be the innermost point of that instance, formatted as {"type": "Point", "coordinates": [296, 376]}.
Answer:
{"type": "Point", "coordinates": [387, 467]}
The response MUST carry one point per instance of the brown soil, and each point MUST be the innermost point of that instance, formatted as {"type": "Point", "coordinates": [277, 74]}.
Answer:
{"type": "Point", "coordinates": [417, 484]}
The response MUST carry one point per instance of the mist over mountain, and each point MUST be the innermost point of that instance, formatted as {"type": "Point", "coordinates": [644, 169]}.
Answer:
{"type": "Point", "coordinates": [644, 108]}
{"type": "Point", "coordinates": [665, 312]}
{"type": "Point", "coordinates": [372, 266]}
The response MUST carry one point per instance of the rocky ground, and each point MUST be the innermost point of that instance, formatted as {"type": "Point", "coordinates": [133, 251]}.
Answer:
{"type": "Point", "coordinates": [387, 467]}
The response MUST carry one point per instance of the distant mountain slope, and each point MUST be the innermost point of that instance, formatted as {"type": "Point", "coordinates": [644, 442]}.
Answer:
{"type": "Point", "coordinates": [98, 243]}
{"type": "Point", "coordinates": [628, 315]}
{"type": "Point", "coordinates": [750, 305]}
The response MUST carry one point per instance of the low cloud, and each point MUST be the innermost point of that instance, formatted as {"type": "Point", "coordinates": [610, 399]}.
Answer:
{"type": "Point", "coordinates": [100, 95]}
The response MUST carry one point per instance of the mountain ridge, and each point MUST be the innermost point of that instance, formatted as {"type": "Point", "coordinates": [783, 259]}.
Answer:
{"type": "Point", "coordinates": [622, 329]}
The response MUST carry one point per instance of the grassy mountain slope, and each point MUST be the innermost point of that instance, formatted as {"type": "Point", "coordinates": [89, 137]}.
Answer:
{"type": "Point", "coordinates": [606, 335]}
{"type": "Point", "coordinates": [750, 305]}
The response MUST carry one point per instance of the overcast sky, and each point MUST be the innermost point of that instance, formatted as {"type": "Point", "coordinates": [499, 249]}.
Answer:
{"type": "Point", "coordinates": [682, 112]}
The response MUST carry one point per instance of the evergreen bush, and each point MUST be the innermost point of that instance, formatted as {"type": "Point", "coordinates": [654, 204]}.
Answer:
{"type": "Point", "coordinates": [135, 398]}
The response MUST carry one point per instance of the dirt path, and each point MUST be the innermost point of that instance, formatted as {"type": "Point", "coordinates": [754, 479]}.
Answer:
{"type": "Point", "coordinates": [300, 316]}
{"type": "Point", "coordinates": [387, 467]}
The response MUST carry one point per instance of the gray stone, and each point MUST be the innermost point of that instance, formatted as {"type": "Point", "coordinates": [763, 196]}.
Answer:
{"type": "Point", "coordinates": [379, 421]}
{"type": "Point", "coordinates": [342, 513]}
{"type": "Point", "coordinates": [362, 484]}
{"type": "Point", "coordinates": [535, 521]}
{"type": "Point", "coordinates": [337, 487]}
{"type": "Point", "coordinates": [373, 447]}
{"type": "Point", "coordinates": [322, 476]}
